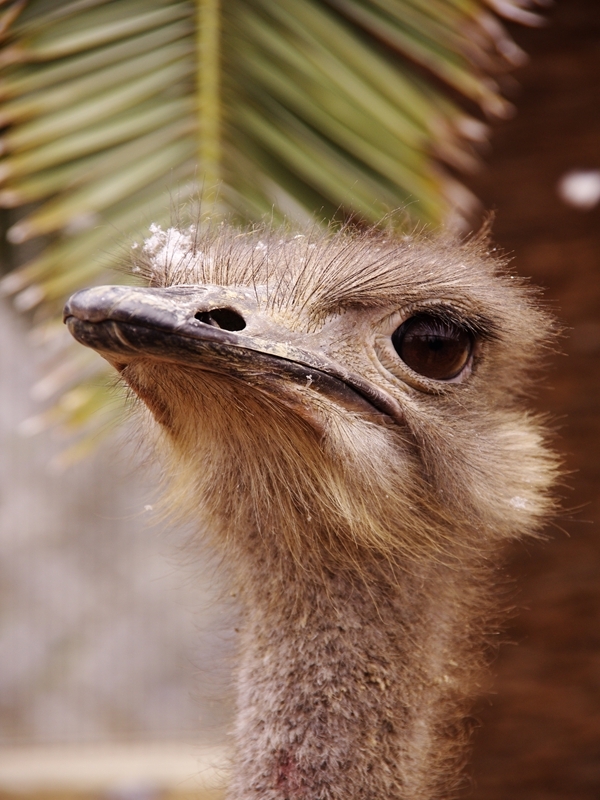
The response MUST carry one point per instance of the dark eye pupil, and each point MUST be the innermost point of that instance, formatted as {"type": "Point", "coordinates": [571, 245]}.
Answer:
{"type": "Point", "coordinates": [433, 347]}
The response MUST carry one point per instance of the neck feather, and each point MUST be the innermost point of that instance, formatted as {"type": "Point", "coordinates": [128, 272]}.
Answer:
{"type": "Point", "coordinates": [352, 687]}
{"type": "Point", "coordinates": [362, 590]}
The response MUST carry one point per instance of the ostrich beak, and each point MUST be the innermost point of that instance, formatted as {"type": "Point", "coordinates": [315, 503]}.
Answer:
{"type": "Point", "coordinates": [221, 330]}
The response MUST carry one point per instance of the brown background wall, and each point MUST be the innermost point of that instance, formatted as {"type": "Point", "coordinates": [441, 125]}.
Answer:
{"type": "Point", "coordinates": [540, 734]}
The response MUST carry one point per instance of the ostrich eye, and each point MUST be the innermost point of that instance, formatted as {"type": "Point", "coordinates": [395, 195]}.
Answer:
{"type": "Point", "coordinates": [433, 347]}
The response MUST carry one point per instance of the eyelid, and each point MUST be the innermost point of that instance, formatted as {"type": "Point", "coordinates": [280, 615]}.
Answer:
{"type": "Point", "coordinates": [397, 318]}
{"type": "Point", "coordinates": [479, 327]}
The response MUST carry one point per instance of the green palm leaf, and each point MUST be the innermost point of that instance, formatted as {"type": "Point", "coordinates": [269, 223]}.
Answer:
{"type": "Point", "coordinates": [276, 107]}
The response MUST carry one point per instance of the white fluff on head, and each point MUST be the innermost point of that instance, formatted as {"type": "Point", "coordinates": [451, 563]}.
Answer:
{"type": "Point", "coordinates": [167, 248]}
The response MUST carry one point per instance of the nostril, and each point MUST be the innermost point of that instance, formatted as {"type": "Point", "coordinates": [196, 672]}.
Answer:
{"type": "Point", "coordinates": [224, 318]}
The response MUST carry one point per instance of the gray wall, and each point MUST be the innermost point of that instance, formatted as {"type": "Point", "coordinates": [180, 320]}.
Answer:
{"type": "Point", "coordinates": [103, 634]}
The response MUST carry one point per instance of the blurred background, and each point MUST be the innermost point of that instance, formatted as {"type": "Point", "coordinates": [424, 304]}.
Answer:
{"type": "Point", "coordinates": [109, 643]}
{"type": "Point", "coordinates": [540, 730]}
{"type": "Point", "coordinates": [113, 654]}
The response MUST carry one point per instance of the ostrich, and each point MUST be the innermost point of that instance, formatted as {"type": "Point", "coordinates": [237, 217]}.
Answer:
{"type": "Point", "coordinates": [345, 414]}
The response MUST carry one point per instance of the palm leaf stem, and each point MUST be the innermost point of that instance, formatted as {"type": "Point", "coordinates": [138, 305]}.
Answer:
{"type": "Point", "coordinates": [209, 100]}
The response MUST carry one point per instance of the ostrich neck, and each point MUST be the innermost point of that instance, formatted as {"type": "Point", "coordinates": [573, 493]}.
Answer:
{"type": "Point", "coordinates": [351, 687]}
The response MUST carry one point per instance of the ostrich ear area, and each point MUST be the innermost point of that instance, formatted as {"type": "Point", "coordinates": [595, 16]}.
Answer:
{"type": "Point", "coordinates": [130, 324]}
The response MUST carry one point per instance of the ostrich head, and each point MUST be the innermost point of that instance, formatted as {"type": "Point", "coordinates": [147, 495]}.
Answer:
{"type": "Point", "coordinates": [345, 413]}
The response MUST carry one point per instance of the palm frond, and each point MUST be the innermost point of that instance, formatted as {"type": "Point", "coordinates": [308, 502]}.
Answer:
{"type": "Point", "coordinates": [276, 107]}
